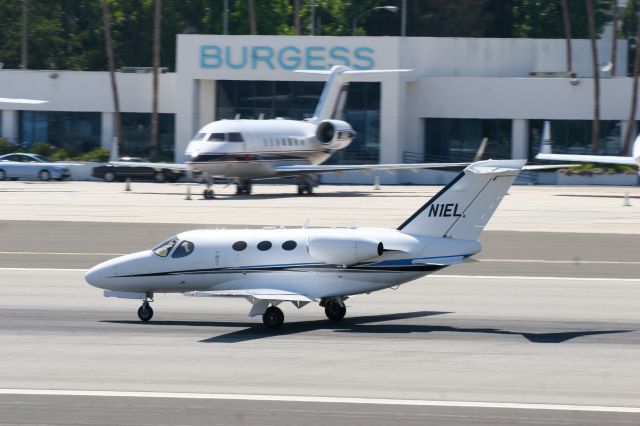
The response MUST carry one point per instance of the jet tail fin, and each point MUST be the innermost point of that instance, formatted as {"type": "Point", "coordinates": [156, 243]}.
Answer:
{"type": "Point", "coordinates": [334, 94]}
{"type": "Point", "coordinates": [463, 208]}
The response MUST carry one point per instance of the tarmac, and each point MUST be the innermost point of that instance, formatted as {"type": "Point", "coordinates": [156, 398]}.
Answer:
{"type": "Point", "coordinates": [543, 328]}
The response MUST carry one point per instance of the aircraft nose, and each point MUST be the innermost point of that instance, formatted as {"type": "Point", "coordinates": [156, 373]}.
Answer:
{"type": "Point", "coordinates": [97, 275]}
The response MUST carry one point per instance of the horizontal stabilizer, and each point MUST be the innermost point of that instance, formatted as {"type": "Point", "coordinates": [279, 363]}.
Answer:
{"type": "Point", "coordinates": [604, 159]}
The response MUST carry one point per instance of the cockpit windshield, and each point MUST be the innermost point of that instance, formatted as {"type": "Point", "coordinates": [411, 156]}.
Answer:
{"type": "Point", "coordinates": [164, 248]}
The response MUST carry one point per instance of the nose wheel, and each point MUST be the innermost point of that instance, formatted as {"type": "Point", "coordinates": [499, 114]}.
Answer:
{"type": "Point", "coordinates": [273, 318]}
{"type": "Point", "coordinates": [145, 313]}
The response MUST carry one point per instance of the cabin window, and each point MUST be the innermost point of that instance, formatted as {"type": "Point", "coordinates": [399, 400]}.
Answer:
{"type": "Point", "coordinates": [264, 245]}
{"type": "Point", "coordinates": [216, 137]}
{"type": "Point", "coordinates": [199, 136]}
{"type": "Point", "coordinates": [235, 137]}
{"type": "Point", "coordinates": [164, 248]}
{"type": "Point", "coordinates": [184, 249]}
{"type": "Point", "coordinates": [239, 245]}
{"type": "Point", "coordinates": [289, 245]}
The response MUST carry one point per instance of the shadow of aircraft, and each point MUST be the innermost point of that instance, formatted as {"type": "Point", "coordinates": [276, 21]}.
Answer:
{"type": "Point", "coordinates": [364, 325]}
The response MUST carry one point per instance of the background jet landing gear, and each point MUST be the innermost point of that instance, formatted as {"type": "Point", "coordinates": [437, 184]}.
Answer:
{"type": "Point", "coordinates": [334, 309]}
{"type": "Point", "coordinates": [145, 313]}
{"type": "Point", "coordinates": [243, 186]}
{"type": "Point", "coordinates": [306, 184]}
{"type": "Point", "coordinates": [273, 317]}
{"type": "Point", "coordinates": [208, 193]}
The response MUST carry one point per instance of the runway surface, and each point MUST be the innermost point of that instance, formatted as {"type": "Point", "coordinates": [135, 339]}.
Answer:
{"type": "Point", "coordinates": [452, 338]}
{"type": "Point", "coordinates": [547, 321]}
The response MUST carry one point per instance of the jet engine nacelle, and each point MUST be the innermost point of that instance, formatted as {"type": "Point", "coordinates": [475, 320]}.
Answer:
{"type": "Point", "coordinates": [343, 249]}
{"type": "Point", "coordinates": [334, 134]}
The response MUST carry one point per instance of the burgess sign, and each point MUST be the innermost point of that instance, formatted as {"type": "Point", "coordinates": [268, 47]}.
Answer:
{"type": "Point", "coordinates": [285, 58]}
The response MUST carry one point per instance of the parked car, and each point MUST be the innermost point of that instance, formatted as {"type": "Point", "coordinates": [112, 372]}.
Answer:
{"type": "Point", "coordinates": [31, 166]}
{"type": "Point", "coordinates": [135, 168]}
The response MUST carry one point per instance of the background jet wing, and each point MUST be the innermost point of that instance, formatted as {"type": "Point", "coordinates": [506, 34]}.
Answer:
{"type": "Point", "coordinates": [21, 101]}
{"type": "Point", "coordinates": [328, 168]}
{"type": "Point", "coordinates": [254, 293]}
{"type": "Point", "coordinates": [549, 166]}
{"type": "Point", "coordinates": [157, 166]}
{"type": "Point", "coordinates": [605, 159]}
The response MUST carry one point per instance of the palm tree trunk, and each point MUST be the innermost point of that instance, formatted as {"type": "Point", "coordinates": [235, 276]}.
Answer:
{"type": "Point", "coordinates": [634, 95]}
{"type": "Point", "coordinates": [296, 16]}
{"type": "Point", "coordinates": [253, 24]}
{"type": "Point", "coordinates": [595, 130]}
{"type": "Point", "coordinates": [567, 33]}
{"type": "Point", "coordinates": [156, 65]}
{"type": "Point", "coordinates": [112, 74]}
{"type": "Point", "coordinates": [614, 38]}
{"type": "Point", "coordinates": [24, 36]}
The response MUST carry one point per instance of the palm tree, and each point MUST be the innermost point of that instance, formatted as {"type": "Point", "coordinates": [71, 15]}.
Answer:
{"type": "Point", "coordinates": [110, 60]}
{"type": "Point", "coordinates": [156, 65]}
{"type": "Point", "coordinates": [595, 130]}
{"type": "Point", "coordinates": [634, 95]}
{"type": "Point", "coordinates": [614, 38]}
{"type": "Point", "coordinates": [567, 33]}
{"type": "Point", "coordinates": [296, 16]}
{"type": "Point", "coordinates": [253, 24]}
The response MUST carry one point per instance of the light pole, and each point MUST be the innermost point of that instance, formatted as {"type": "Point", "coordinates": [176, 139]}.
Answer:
{"type": "Point", "coordinates": [393, 9]}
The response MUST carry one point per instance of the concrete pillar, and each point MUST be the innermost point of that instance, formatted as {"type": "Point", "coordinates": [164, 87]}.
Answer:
{"type": "Point", "coordinates": [10, 125]}
{"type": "Point", "coordinates": [392, 121]}
{"type": "Point", "coordinates": [187, 115]}
{"type": "Point", "coordinates": [207, 103]}
{"type": "Point", "coordinates": [107, 129]}
{"type": "Point", "coordinates": [520, 139]}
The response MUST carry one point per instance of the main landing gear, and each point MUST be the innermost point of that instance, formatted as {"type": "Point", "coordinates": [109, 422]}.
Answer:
{"type": "Point", "coordinates": [335, 309]}
{"type": "Point", "coordinates": [273, 317]}
{"type": "Point", "coordinates": [306, 184]}
{"type": "Point", "coordinates": [243, 186]}
{"type": "Point", "coordinates": [145, 313]}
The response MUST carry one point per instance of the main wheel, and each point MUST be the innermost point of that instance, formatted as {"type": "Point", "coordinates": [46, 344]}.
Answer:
{"type": "Point", "coordinates": [109, 177]}
{"type": "Point", "coordinates": [145, 313]}
{"type": "Point", "coordinates": [159, 177]}
{"type": "Point", "coordinates": [273, 317]}
{"type": "Point", "coordinates": [334, 311]}
{"type": "Point", "coordinates": [3, 174]}
{"type": "Point", "coordinates": [44, 175]}
{"type": "Point", "coordinates": [208, 194]}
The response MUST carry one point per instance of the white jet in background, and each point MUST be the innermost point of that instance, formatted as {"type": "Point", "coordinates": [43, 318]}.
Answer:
{"type": "Point", "coordinates": [271, 266]}
{"type": "Point", "coordinates": [244, 150]}
{"type": "Point", "coordinates": [545, 153]}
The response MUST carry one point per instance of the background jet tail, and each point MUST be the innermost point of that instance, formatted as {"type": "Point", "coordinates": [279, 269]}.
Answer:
{"type": "Point", "coordinates": [334, 94]}
{"type": "Point", "coordinates": [463, 208]}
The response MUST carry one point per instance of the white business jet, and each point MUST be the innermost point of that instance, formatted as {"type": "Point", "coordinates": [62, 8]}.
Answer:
{"type": "Point", "coordinates": [271, 266]}
{"type": "Point", "coordinates": [245, 150]}
{"type": "Point", "coordinates": [545, 153]}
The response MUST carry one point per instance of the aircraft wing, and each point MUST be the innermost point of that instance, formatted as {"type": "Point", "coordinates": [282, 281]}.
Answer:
{"type": "Point", "coordinates": [328, 168]}
{"type": "Point", "coordinates": [157, 166]}
{"type": "Point", "coordinates": [21, 101]}
{"type": "Point", "coordinates": [254, 293]}
{"type": "Point", "coordinates": [605, 159]}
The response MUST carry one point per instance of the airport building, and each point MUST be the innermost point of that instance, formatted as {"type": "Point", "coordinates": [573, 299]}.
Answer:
{"type": "Point", "coordinates": [459, 91]}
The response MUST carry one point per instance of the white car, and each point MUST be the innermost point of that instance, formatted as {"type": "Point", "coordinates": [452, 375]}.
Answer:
{"type": "Point", "coordinates": [31, 166]}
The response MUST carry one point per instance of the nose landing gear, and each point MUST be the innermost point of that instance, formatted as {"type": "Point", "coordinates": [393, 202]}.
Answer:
{"type": "Point", "coordinates": [145, 313]}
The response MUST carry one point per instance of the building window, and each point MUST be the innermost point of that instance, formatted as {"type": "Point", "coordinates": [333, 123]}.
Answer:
{"type": "Point", "coordinates": [264, 245]}
{"type": "Point", "coordinates": [74, 131]}
{"type": "Point", "coordinates": [297, 100]}
{"type": "Point", "coordinates": [136, 132]}
{"type": "Point", "coordinates": [458, 139]}
{"type": "Point", "coordinates": [574, 137]}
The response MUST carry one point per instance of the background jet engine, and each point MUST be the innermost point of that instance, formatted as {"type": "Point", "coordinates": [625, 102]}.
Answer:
{"type": "Point", "coordinates": [334, 134]}
{"type": "Point", "coordinates": [343, 249]}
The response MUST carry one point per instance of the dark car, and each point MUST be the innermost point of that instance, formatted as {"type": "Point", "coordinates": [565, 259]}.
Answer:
{"type": "Point", "coordinates": [136, 168]}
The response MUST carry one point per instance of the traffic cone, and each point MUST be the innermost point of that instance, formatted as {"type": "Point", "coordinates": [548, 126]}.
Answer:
{"type": "Point", "coordinates": [127, 185]}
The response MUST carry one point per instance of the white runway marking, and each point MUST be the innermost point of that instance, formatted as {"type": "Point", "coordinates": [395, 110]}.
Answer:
{"type": "Point", "coordinates": [321, 399]}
